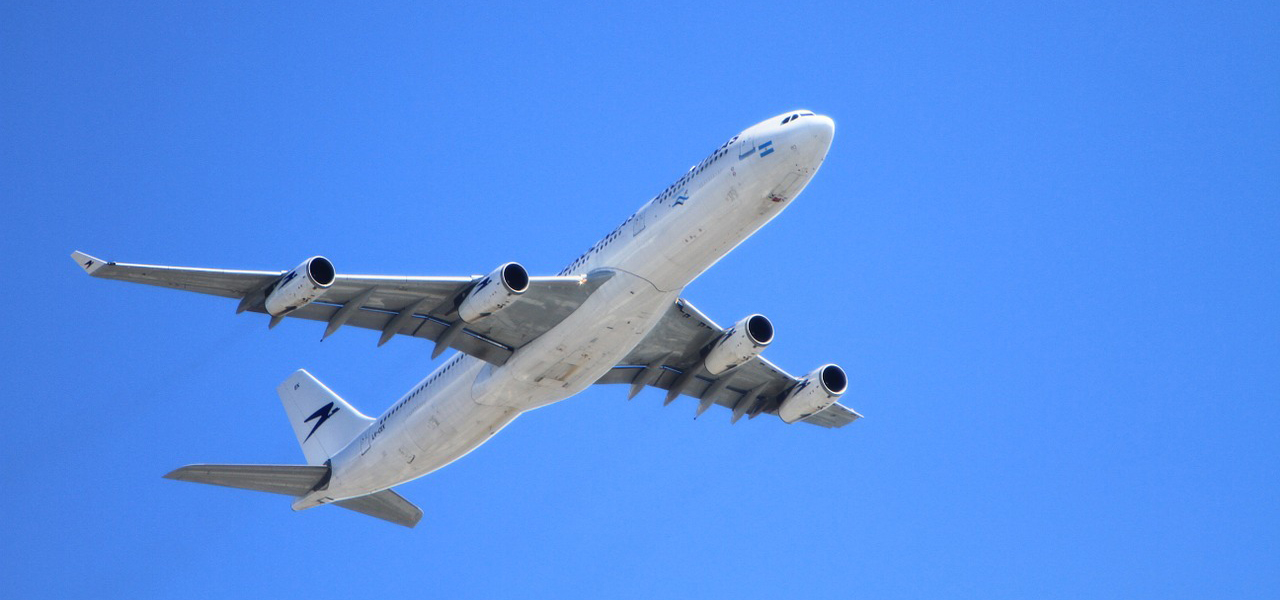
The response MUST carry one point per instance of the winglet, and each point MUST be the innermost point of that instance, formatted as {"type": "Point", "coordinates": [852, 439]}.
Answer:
{"type": "Point", "coordinates": [90, 264]}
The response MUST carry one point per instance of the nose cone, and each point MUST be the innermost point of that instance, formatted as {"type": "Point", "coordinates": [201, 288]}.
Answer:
{"type": "Point", "coordinates": [816, 132]}
{"type": "Point", "coordinates": [804, 131]}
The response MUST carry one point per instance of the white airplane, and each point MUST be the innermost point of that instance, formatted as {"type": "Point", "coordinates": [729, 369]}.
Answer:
{"type": "Point", "coordinates": [614, 315]}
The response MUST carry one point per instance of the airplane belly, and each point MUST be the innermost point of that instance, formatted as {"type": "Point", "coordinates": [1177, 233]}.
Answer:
{"type": "Point", "coordinates": [482, 399]}
{"type": "Point", "coordinates": [692, 237]}
{"type": "Point", "coordinates": [578, 351]}
{"type": "Point", "coordinates": [447, 435]}
{"type": "Point", "coordinates": [437, 433]}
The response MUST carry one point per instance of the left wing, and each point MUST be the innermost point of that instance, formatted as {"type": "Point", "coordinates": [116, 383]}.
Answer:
{"type": "Point", "coordinates": [424, 307]}
{"type": "Point", "coordinates": [671, 358]}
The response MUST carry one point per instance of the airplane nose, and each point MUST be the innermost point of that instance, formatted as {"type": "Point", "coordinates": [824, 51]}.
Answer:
{"type": "Point", "coordinates": [822, 129]}
{"type": "Point", "coordinates": [814, 134]}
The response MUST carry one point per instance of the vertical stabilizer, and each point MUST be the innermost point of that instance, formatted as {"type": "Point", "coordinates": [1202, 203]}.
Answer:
{"type": "Point", "coordinates": [323, 422]}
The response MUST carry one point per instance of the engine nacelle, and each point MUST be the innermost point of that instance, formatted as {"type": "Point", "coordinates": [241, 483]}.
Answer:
{"type": "Point", "coordinates": [744, 341]}
{"type": "Point", "coordinates": [495, 292]}
{"type": "Point", "coordinates": [301, 286]}
{"type": "Point", "coordinates": [816, 391]}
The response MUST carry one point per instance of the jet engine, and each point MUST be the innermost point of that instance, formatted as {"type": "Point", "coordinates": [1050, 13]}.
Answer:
{"type": "Point", "coordinates": [744, 341]}
{"type": "Point", "coordinates": [301, 286]}
{"type": "Point", "coordinates": [494, 292]}
{"type": "Point", "coordinates": [816, 391]}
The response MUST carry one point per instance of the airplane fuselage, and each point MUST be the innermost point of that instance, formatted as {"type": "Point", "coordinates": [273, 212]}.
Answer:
{"type": "Point", "coordinates": [649, 258]}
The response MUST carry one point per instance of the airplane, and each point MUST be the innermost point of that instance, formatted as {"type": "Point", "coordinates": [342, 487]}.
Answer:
{"type": "Point", "coordinates": [613, 315]}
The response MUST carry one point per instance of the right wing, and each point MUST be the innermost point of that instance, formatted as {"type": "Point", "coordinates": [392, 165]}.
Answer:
{"type": "Point", "coordinates": [424, 307]}
{"type": "Point", "coordinates": [670, 358]}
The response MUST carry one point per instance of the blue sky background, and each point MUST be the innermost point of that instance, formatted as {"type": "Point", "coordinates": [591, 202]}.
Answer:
{"type": "Point", "coordinates": [1045, 245]}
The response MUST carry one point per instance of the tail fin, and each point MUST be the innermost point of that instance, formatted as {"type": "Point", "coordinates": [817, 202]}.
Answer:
{"type": "Point", "coordinates": [323, 422]}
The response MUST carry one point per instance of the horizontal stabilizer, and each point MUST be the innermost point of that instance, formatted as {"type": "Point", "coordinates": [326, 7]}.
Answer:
{"type": "Point", "coordinates": [386, 505]}
{"type": "Point", "coordinates": [290, 480]}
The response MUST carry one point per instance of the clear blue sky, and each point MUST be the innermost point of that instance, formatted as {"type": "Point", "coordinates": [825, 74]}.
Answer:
{"type": "Point", "coordinates": [1045, 245]}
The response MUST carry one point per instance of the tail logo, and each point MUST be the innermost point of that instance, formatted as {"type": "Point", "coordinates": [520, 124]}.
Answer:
{"type": "Point", "coordinates": [320, 416]}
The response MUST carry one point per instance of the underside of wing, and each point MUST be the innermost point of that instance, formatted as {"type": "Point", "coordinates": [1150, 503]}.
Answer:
{"type": "Point", "coordinates": [675, 357]}
{"type": "Point", "coordinates": [427, 308]}
{"type": "Point", "coordinates": [431, 308]}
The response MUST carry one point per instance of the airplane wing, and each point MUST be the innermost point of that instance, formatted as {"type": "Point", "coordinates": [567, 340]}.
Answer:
{"type": "Point", "coordinates": [671, 356]}
{"type": "Point", "coordinates": [424, 307]}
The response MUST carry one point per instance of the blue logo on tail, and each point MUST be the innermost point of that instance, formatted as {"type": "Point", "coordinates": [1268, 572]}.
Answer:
{"type": "Point", "coordinates": [320, 416]}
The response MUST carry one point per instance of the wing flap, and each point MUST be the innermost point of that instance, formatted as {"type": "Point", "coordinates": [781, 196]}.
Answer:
{"type": "Point", "coordinates": [767, 381]}
{"type": "Point", "coordinates": [427, 327]}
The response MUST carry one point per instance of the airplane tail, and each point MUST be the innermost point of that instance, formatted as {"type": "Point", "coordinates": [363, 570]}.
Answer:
{"type": "Point", "coordinates": [323, 422]}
